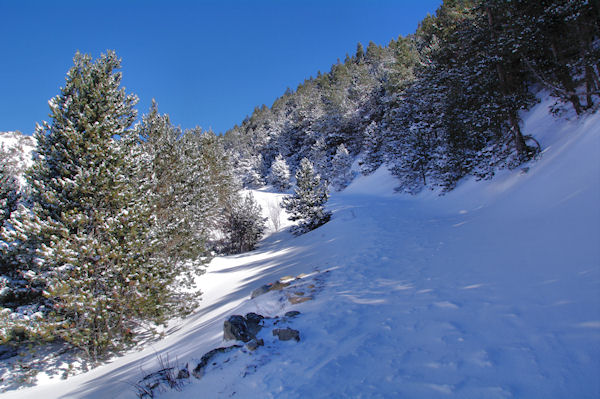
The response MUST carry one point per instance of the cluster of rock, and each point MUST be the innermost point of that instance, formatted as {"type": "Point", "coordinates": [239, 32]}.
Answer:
{"type": "Point", "coordinates": [244, 329]}
{"type": "Point", "coordinates": [236, 327]}
{"type": "Point", "coordinates": [294, 289]}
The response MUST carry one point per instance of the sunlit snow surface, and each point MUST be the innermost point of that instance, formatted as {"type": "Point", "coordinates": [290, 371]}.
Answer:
{"type": "Point", "coordinates": [490, 291]}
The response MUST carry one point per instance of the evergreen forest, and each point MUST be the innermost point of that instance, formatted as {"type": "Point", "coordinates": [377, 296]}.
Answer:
{"type": "Point", "coordinates": [101, 243]}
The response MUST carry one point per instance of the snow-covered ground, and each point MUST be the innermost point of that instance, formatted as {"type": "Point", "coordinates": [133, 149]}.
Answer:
{"type": "Point", "coordinates": [490, 291]}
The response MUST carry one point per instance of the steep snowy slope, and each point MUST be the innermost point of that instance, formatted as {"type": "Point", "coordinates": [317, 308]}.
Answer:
{"type": "Point", "coordinates": [491, 291]}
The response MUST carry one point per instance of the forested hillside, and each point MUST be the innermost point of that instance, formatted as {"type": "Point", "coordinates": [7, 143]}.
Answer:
{"type": "Point", "coordinates": [102, 243]}
{"type": "Point", "coordinates": [437, 105]}
{"type": "Point", "coordinates": [116, 216]}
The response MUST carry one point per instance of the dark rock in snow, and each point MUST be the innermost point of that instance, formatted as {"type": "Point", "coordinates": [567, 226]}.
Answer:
{"type": "Point", "coordinates": [260, 291]}
{"type": "Point", "coordinates": [198, 371]}
{"type": "Point", "coordinates": [253, 321]}
{"type": "Point", "coordinates": [242, 328]}
{"type": "Point", "coordinates": [254, 344]}
{"type": "Point", "coordinates": [295, 300]}
{"type": "Point", "coordinates": [286, 334]}
{"type": "Point", "coordinates": [254, 317]}
{"type": "Point", "coordinates": [292, 313]}
{"type": "Point", "coordinates": [235, 327]}
{"type": "Point", "coordinates": [276, 286]}
{"type": "Point", "coordinates": [162, 373]}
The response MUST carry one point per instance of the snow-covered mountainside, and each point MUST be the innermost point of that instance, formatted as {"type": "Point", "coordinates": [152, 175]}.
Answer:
{"type": "Point", "coordinates": [490, 291]}
{"type": "Point", "coordinates": [10, 140]}
{"type": "Point", "coordinates": [18, 147]}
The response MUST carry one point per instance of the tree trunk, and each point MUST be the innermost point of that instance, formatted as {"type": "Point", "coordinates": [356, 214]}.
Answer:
{"type": "Point", "coordinates": [563, 75]}
{"type": "Point", "coordinates": [591, 79]}
{"type": "Point", "coordinates": [512, 115]}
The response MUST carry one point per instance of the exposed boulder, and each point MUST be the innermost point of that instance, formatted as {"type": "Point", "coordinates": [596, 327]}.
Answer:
{"type": "Point", "coordinates": [242, 328]}
{"type": "Point", "coordinates": [286, 334]}
{"type": "Point", "coordinates": [255, 343]}
{"type": "Point", "coordinates": [295, 300]}
{"type": "Point", "coordinates": [253, 321]}
{"type": "Point", "coordinates": [235, 327]}
{"type": "Point", "coordinates": [198, 371]}
{"type": "Point", "coordinates": [276, 286]}
{"type": "Point", "coordinates": [263, 289]}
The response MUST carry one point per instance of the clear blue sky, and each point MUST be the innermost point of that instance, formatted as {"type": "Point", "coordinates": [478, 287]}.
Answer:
{"type": "Point", "coordinates": [207, 63]}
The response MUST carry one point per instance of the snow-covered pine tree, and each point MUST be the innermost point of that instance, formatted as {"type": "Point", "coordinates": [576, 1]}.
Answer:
{"type": "Point", "coordinates": [12, 158]}
{"type": "Point", "coordinates": [86, 235]}
{"type": "Point", "coordinates": [9, 190]}
{"type": "Point", "coordinates": [557, 43]}
{"type": "Point", "coordinates": [307, 204]}
{"type": "Point", "coordinates": [320, 158]}
{"type": "Point", "coordinates": [170, 175]}
{"type": "Point", "coordinates": [176, 240]}
{"type": "Point", "coordinates": [214, 180]}
{"type": "Point", "coordinates": [250, 169]}
{"type": "Point", "coordinates": [244, 224]}
{"type": "Point", "coordinates": [372, 154]}
{"type": "Point", "coordinates": [341, 165]}
{"type": "Point", "coordinates": [413, 135]}
{"type": "Point", "coordinates": [9, 198]}
{"type": "Point", "coordinates": [279, 177]}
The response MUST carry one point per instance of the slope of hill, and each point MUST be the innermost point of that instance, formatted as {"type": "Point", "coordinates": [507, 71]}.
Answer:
{"type": "Point", "coordinates": [491, 290]}
{"type": "Point", "coordinates": [18, 148]}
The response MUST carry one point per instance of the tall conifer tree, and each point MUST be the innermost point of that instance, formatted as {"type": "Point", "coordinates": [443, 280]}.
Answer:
{"type": "Point", "coordinates": [85, 236]}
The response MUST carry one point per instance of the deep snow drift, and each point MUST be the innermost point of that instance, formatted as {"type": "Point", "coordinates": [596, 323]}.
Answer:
{"type": "Point", "coordinates": [491, 291]}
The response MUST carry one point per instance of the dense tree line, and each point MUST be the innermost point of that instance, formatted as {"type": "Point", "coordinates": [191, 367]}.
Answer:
{"type": "Point", "coordinates": [117, 219]}
{"type": "Point", "coordinates": [437, 105]}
